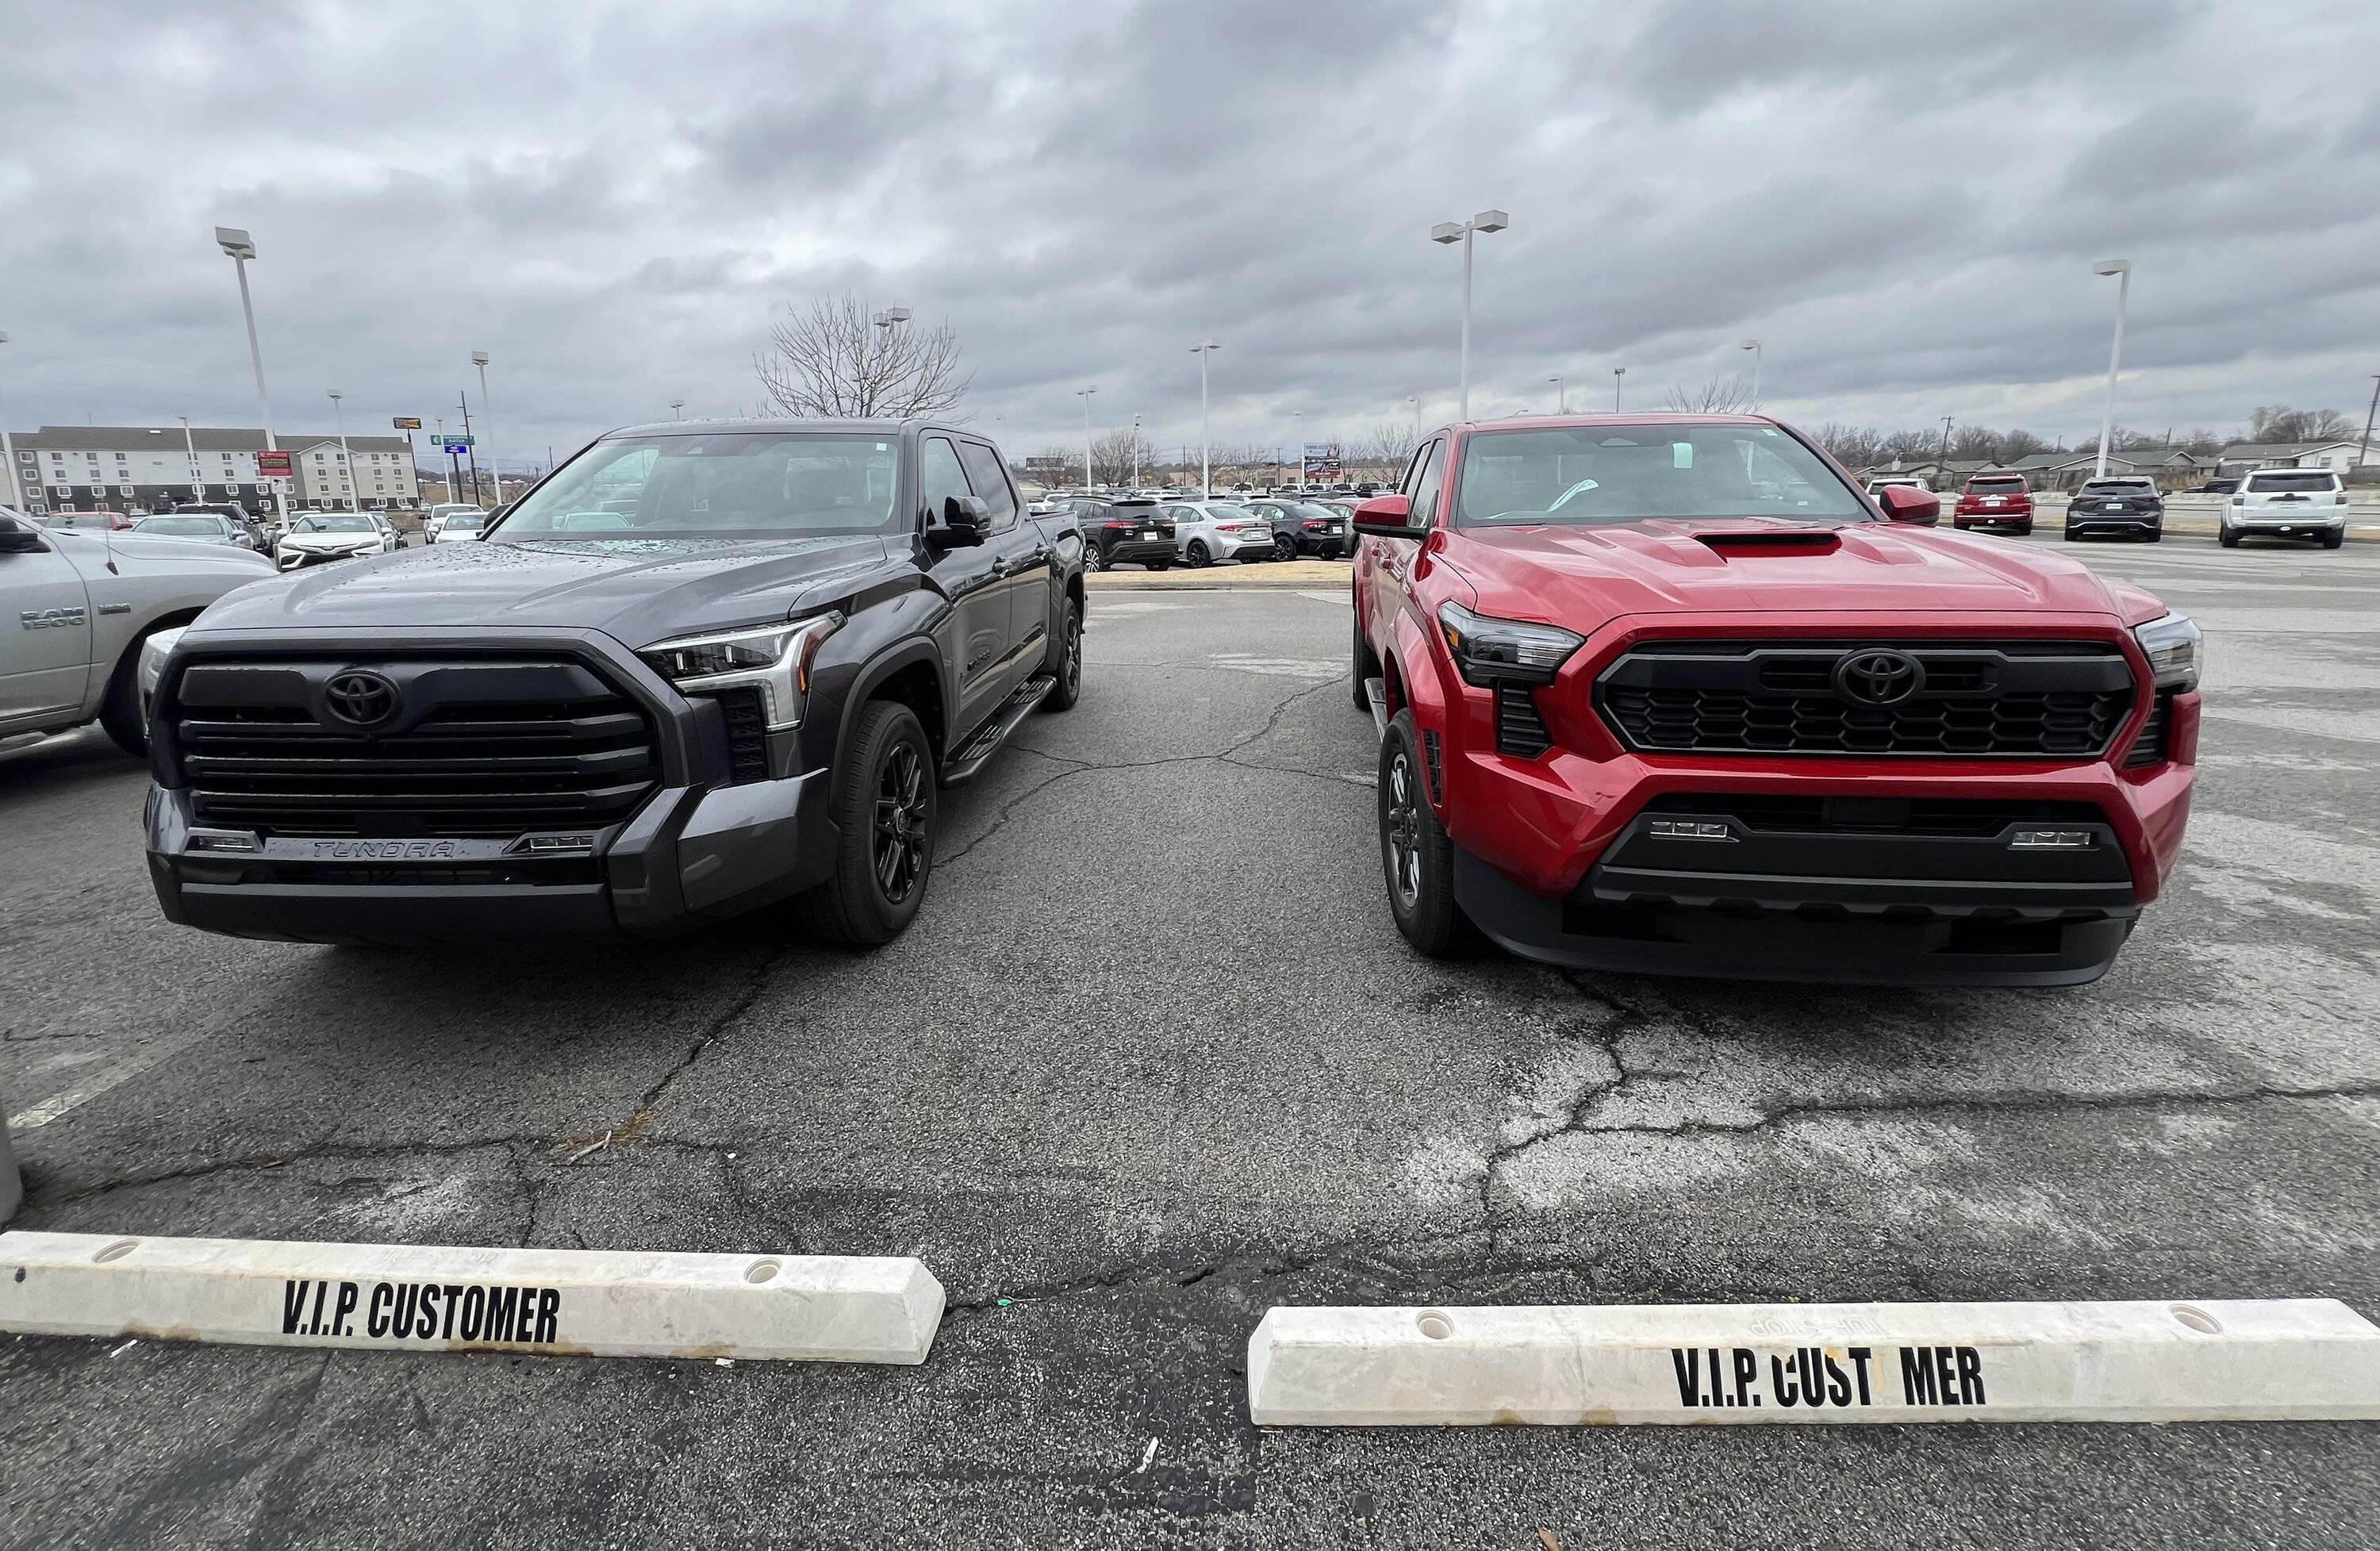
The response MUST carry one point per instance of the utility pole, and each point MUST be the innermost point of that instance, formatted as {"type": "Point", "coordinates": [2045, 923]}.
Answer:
{"type": "Point", "coordinates": [454, 469]}
{"type": "Point", "coordinates": [1945, 460]}
{"type": "Point", "coordinates": [190, 448]}
{"type": "Point", "coordinates": [471, 447]}
{"type": "Point", "coordinates": [8, 450]}
{"type": "Point", "coordinates": [2122, 270]}
{"type": "Point", "coordinates": [2363, 456]}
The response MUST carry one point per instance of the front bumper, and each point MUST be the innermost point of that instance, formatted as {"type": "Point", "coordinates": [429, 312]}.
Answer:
{"type": "Point", "coordinates": [700, 845]}
{"type": "Point", "coordinates": [1557, 863]}
{"type": "Point", "coordinates": [295, 560]}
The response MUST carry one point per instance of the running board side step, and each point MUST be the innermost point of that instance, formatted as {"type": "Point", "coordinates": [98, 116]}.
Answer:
{"type": "Point", "coordinates": [978, 750]}
{"type": "Point", "coordinates": [1375, 690]}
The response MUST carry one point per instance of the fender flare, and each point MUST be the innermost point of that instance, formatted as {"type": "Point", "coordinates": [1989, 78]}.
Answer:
{"type": "Point", "coordinates": [883, 665]}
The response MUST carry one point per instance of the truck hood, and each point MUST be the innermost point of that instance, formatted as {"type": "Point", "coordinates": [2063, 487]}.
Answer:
{"type": "Point", "coordinates": [1581, 576]}
{"type": "Point", "coordinates": [638, 590]}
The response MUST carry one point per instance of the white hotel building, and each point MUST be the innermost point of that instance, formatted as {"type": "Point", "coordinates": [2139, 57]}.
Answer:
{"type": "Point", "coordinates": [120, 468]}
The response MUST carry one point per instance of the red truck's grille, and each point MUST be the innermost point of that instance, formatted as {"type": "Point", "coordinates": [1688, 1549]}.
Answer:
{"type": "Point", "coordinates": [2003, 699]}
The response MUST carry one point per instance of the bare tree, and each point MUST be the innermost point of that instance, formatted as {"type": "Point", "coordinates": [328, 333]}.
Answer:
{"type": "Point", "coordinates": [1388, 446]}
{"type": "Point", "coordinates": [2278, 422]}
{"type": "Point", "coordinates": [1720, 395]}
{"type": "Point", "coordinates": [1116, 456]}
{"type": "Point", "coordinates": [832, 362]}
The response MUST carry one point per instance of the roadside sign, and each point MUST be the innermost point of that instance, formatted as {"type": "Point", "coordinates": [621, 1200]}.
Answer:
{"type": "Point", "coordinates": [275, 466]}
{"type": "Point", "coordinates": [457, 449]}
{"type": "Point", "coordinates": [455, 443]}
{"type": "Point", "coordinates": [406, 422]}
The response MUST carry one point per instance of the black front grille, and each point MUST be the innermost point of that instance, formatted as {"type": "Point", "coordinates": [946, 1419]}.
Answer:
{"type": "Point", "coordinates": [2149, 744]}
{"type": "Point", "coordinates": [1520, 730]}
{"type": "Point", "coordinates": [2009, 699]}
{"type": "Point", "coordinates": [481, 746]}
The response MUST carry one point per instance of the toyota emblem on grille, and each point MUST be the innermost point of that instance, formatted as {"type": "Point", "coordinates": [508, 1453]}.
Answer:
{"type": "Point", "coordinates": [1878, 678]}
{"type": "Point", "coordinates": [360, 698]}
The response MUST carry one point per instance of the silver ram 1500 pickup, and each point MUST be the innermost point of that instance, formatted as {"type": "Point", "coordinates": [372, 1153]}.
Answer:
{"type": "Point", "coordinates": [75, 608]}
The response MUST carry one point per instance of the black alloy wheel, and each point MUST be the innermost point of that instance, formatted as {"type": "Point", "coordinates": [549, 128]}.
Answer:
{"type": "Point", "coordinates": [1199, 557]}
{"type": "Point", "coordinates": [1284, 547]}
{"type": "Point", "coordinates": [904, 813]}
{"type": "Point", "coordinates": [1401, 828]}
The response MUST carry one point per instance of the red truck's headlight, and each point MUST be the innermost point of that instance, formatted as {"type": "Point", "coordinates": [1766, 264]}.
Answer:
{"type": "Point", "coordinates": [2175, 649]}
{"type": "Point", "coordinates": [1488, 650]}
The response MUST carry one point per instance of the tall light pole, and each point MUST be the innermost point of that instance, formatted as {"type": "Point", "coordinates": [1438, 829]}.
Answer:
{"type": "Point", "coordinates": [2362, 457]}
{"type": "Point", "coordinates": [1204, 348]}
{"type": "Point", "coordinates": [1135, 452]}
{"type": "Point", "coordinates": [888, 334]}
{"type": "Point", "coordinates": [1561, 399]}
{"type": "Point", "coordinates": [2122, 268]}
{"type": "Point", "coordinates": [1084, 394]}
{"type": "Point", "coordinates": [346, 468]}
{"type": "Point", "coordinates": [190, 449]}
{"type": "Point", "coordinates": [678, 407]}
{"type": "Point", "coordinates": [1753, 346]}
{"type": "Point", "coordinates": [237, 243]}
{"type": "Point", "coordinates": [495, 476]}
{"type": "Point", "coordinates": [8, 450]}
{"type": "Point", "coordinates": [1617, 373]}
{"type": "Point", "coordinates": [1450, 232]}
{"type": "Point", "coordinates": [1297, 421]}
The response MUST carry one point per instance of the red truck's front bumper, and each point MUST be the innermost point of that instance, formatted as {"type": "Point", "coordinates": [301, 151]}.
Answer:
{"type": "Point", "coordinates": [1827, 867]}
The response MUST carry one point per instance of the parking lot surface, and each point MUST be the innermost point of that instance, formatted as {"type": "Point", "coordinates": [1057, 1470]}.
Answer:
{"type": "Point", "coordinates": [1154, 1059]}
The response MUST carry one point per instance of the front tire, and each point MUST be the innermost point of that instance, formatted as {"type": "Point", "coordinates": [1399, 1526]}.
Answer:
{"type": "Point", "coordinates": [1417, 857]}
{"type": "Point", "coordinates": [885, 805]}
{"type": "Point", "coordinates": [119, 712]}
{"type": "Point", "coordinates": [1068, 668]}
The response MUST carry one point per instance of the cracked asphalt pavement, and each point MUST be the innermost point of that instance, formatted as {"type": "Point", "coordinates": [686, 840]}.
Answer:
{"type": "Point", "coordinates": [1152, 1059]}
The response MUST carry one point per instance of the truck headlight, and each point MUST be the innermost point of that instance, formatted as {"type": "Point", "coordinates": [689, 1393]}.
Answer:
{"type": "Point", "coordinates": [2175, 649]}
{"type": "Point", "coordinates": [1487, 649]}
{"type": "Point", "coordinates": [773, 659]}
{"type": "Point", "coordinates": [157, 645]}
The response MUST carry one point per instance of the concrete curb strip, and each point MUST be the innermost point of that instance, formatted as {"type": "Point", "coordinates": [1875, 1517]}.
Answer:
{"type": "Point", "coordinates": [2311, 1359]}
{"type": "Point", "coordinates": [406, 1298]}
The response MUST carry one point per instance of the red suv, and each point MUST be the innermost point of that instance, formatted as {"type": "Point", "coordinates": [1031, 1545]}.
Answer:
{"type": "Point", "coordinates": [1995, 501]}
{"type": "Point", "coordinates": [1670, 693]}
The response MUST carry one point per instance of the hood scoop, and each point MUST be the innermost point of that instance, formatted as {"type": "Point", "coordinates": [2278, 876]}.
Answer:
{"type": "Point", "coordinates": [1770, 542]}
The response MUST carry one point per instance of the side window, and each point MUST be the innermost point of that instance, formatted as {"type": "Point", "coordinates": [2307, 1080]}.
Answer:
{"type": "Point", "coordinates": [938, 477]}
{"type": "Point", "coordinates": [990, 482]}
{"type": "Point", "coordinates": [1413, 469]}
{"type": "Point", "coordinates": [1424, 485]}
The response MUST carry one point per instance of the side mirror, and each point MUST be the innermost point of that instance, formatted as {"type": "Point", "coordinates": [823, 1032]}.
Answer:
{"type": "Point", "coordinates": [964, 518]}
{"type": "Point", "coordinates": [20, 537]}
{"type": "Point", "coordinates": [1388, 516]}
{"type": "Point", "coordinates": [1904, 503]}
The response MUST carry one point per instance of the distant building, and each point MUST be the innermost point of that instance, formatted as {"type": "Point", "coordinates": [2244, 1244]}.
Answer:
{"type": "Point", "coordinates": [83, 469]}
{"type": "Point", "coordinates": [2242, 456]}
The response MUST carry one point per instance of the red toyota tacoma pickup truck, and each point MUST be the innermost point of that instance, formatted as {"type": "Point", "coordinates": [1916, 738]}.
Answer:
{"type": "Point", "coordinates": [1670, 694]}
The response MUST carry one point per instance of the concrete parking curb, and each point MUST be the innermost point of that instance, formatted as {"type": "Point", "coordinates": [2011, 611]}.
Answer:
{"type": "Point", "coordinates": [2310, 1359]}
{"type": "Point", "coordinates": [406, 1298]}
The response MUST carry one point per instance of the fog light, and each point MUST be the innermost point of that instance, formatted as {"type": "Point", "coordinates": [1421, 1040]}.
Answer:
{"type": "Point", "coordinates": [2051, 840]}
{"type": "Point", "coordinates": [1689, 829]}
{"type": "Point", "coordinates": [204, 841]}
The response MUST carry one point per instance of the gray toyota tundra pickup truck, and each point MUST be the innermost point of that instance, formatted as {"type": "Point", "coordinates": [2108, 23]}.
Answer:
{"type": "Point", "coordinates": [701, 668]}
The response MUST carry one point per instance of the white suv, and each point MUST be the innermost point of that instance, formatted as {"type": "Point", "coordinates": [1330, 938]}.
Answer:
{"type": "Point", "coordinates": [1207, 531]}
{"type": "Point", "coordinates": [2287, 503]}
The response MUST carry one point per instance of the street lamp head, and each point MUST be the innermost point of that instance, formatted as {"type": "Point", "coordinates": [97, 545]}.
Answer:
{"type": "Point", "coordinates": [236, 242]}
{"type": "Point", "coordinates": [1490, 221]}
{"type": "Point", "coordinates": [336, 394]}
{"type": "Point", "coordinates": [2111, 266]}
{"type": "Point", "coordinates": [1446, 231]}
{"type": "Point", "coordinates": [890, 316]}
{"type": "Point", "coordinates": [1749, 345]}
{"type": "Point", "coordinates": [478, 358]}
{"type": "Point", "coordinates": [1204, 345]}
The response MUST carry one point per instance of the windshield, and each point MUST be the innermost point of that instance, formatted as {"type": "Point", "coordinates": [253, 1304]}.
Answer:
{"type": "Point", "coordinates": [1601, 475]}
{"type": "Point", "coordinates": [192, 527]}
{"type": "Point", "coordinates": [333, 521]}
{"type": "Point", "coordinates": [786, 483]}
{"type": "Point", "coordinates": [467, 519]}
{"type": "Point", "coordinates": [2290, 481]}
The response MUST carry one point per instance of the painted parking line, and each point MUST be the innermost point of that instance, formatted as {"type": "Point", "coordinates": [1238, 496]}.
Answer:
{"type": "Point", "coordinates": [1684, 1364]}
{"type": "Point", "coordinates": [409, 1298]}
{"type": "Point", "coordinates": [37, 1115]}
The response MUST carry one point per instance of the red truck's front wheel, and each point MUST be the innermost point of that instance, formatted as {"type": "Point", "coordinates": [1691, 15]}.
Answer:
{"type": "Point", "coordinates": [1416, 858]}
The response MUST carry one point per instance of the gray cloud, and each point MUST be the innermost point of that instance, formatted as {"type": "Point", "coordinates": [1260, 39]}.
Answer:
{"type": "Point", "coordinates": [1902, 201]}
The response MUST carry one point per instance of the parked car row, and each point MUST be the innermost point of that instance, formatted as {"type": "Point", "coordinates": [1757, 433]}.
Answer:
{"type": "Point", "coordinates": [1142, 530]}
{"type": "Point", "coordinates": [2303, 503]}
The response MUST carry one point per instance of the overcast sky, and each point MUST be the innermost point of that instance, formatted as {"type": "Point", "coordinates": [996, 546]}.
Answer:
{"type": "Point", "coordinates": [1903, 200]}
